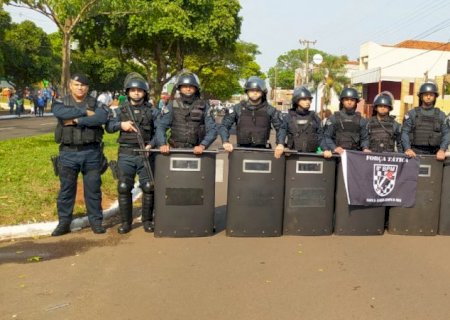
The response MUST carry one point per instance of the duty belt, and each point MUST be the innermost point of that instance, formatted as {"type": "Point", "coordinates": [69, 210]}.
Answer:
{"type": "Point", "coordinates": [128, 149]}
{"type": "Point", "coordinates": [80, 147]}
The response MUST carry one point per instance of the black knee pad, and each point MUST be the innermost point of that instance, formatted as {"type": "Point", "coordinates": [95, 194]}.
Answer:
{"type": "Point", "coordinates": [124, 187]}
{"type": "Point", "coordinates": [147, 187]}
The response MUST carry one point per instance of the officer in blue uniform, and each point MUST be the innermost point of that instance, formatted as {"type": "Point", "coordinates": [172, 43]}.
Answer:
{"type": "Point", "coordinates": [79, 133]}
{"type": "Point", "coordinates": [425, 128]}
{"type": "Point", "coordinates": [346, 129]}
{"type": "Point", "coordinates": [384, 131]}
{"type": "Point", "coordinates": [302, 126]}
{"type": "Point", "coordinates": [189, 118]}
{"type": "Point", "coordinates": [131, 162]}
{"type": "Point", "coordinates": [253, 119]}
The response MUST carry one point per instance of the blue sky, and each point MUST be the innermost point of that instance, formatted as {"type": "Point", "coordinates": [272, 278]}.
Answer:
{"type": "Point", "coordinates": [339, 27]}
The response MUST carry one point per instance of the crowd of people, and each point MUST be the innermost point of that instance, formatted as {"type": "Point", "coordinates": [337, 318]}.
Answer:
{"type": "Point", "coordinates": [186, 121]}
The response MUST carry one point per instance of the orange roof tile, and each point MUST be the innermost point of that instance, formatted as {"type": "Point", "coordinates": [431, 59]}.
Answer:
{"type": "Point", "coordinates": [424, 45]}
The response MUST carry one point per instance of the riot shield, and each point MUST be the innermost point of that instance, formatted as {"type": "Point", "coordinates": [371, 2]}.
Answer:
{"type": "Point", "coordinates": [355, 220]}
{"type": "Point", "coordinates": [309, 195]}
{"type": "Point", "coordinates": [184, 194]}
{"type": "Point", "coordinates": [255, 193]}
{"type": "Point", "coordinates": [423, 218]}
{"type": "Point", "coordinates": [444, 215]}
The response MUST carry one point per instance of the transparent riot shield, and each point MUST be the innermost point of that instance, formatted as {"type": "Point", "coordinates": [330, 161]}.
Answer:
{"type": "Point", "coordinates": [184, 194]}
{"type": "Point", "coordinates": [355, 220]}
{"type": "Point", "coordinates": [255, 193]}
{"type": "Point", "coordinates": [444, 215]}
{"type": "Point", "coordinates": [309, 195]}
{"type": "Point", "coordinates": [423, 218]}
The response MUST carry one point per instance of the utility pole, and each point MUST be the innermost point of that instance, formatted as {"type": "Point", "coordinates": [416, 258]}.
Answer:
{"type": "Point", "coordinates": [307, 43]}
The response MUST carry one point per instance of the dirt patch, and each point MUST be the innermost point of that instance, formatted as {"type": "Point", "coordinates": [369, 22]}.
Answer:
{"type": "Point", "coordinates": [107, 200]}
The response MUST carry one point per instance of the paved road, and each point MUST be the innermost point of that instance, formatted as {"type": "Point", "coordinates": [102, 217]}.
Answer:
{"type": "Point", "coordinates": [25, 126]}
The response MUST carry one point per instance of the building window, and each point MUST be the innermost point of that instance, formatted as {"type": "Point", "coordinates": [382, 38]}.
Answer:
{"type": "Point", "coordinates": [448, 66]}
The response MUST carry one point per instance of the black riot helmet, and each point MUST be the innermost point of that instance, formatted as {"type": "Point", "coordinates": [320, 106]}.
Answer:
{"type": "Point", "coordinates": [348, 93]}
{"type": "Point", "coordinates": [382, 99]}
{"type": "Point", "coordinates": [137, 83]}
{"type": "Point", "coordinates": [255, 83]}
{"type": "Point", "coordinates": [300, 93]}
{"type": "Point", "coordinates": [428, 87]}
{"type": "Point", "coordinates": [188, 79]}
{"type": "Point", "coordinates": [135, 80]}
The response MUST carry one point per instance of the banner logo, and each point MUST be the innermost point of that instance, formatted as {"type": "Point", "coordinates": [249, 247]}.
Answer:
{"type": "Point", "coordinates": [384, 176]}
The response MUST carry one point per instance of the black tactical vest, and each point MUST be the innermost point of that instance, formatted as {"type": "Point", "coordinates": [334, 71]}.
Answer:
{"type": "Point", "coordinates": [303, 135]}
{"type": "Point", "coordinates": [427, 129]}
{"type": "Point", "coordinates": [253, 126]}
{"type": "Point", "coordinates": [144, 119]}
{"type": "Point", "coordinates": [75, 135]}
{"type": "Point", "coordinates": [381, 134]}
{"type": "Point", "coordinates": [348, 130]}
{"type": "Point", "coordinates": [188, 124]}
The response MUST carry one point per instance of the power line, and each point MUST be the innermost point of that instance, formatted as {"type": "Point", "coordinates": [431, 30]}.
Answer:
{"type": "Point", "coordinates": [407, 59]}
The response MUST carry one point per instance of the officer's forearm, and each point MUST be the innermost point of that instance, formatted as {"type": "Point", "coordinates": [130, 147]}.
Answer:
{"type": "Point", "coordinates": [65, 113]}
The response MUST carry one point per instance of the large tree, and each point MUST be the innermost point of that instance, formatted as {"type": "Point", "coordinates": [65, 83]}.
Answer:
{"type": "Point", "coordinates": [5, 23]}
{"type": "Point", "coordinates": [66, 14]}
{"type": "Point", "coordinates": [165, 32]}
{"type": "Point", "coordinates": [220, 74]}
{"type": "Point", "coordinates": [27, 53]}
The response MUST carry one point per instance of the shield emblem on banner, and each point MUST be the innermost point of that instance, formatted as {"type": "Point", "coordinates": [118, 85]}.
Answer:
{"type": "Point", "coordinates": [384, 176]}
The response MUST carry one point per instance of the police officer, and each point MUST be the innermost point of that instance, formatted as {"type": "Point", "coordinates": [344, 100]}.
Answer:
{"type": "Point", "coordinates": [384, 131]}
{"type": "Point", "coordinates": [189, 118]}
{"type": "Point", "coordinates": [79, 133]}
{"type": "Point", "coordinates": [346, 128]}
{"type": "Point", "coordinates": [131, 162]}
{"type": "Point", "coordinates": [425, 128]}
{"type": "Point", "coordinates": [253, 120]}
{"type": "Point", "coordinates": [302, 126]}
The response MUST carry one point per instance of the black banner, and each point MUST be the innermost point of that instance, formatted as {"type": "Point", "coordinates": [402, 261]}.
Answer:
{"type": "Point", "coordinates": [380, 179]}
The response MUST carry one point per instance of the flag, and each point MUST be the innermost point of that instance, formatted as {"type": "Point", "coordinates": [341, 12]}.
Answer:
{"type": "Point", "coordinates": [380, 179]}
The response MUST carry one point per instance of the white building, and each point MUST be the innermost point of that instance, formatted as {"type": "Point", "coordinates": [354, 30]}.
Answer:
{"type": "Point", "coordinates": [401, 69]}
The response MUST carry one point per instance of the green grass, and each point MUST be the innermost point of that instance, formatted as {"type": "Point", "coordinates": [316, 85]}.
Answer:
{"type": "Point", "coordinates": [29, 188]}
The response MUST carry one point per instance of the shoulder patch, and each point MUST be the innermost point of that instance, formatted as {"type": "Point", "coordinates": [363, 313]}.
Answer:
{"type": "Point", "coordinates": [406, 116]}
{"type": "Point", "coordinates": [328, 123]}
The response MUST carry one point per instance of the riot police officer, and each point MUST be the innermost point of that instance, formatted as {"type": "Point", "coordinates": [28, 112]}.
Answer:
{"type": "Point", "coordinates": [253, 120]}
{"type": "Point", "coordinates": [346, 128]}
{"type": "Point", "coordinates": [302, 126]}
{"type": "Point", "coordinates": [131, 162]}
{"type": "Point", "coordinates": [189, 118]}
{"type": "Point", "coordinates": [79, 133]}
{"type": "Point", "coordinates": [384, 131]}
{"type": "Point", "coordinates": [425, 129]}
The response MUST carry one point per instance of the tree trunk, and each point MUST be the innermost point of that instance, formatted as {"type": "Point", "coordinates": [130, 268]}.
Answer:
{"type": "Point", "coordinates": [65, 74]}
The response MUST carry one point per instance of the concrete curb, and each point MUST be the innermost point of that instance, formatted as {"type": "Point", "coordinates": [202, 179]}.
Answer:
{"type": "Point", "coordinates": [13, 116]}
{"type": "Point", "coordinates": [46, 228]}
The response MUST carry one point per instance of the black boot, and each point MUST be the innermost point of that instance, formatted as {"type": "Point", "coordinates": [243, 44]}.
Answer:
{"type": "Point", "coordinates": [147, 211]}
{"type": "Point", "coordinates": [61, 229]}
{"type": "Point", "coordinates": [126, 213]}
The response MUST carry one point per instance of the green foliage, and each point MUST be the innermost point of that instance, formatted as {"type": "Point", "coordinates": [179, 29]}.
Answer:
{"type": "Point", "coordinates": [27, 53]}
{"type": "Point", "coordinates": [163, 32]}
{"type": "Point", "coordinates": [5, 23]}
{"type": "Point", "coordinates": [220, 74]}
{"type": "Point", "coordinates": [29, 188]}
{"type": "Point", "coordinates": [104, 68]}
